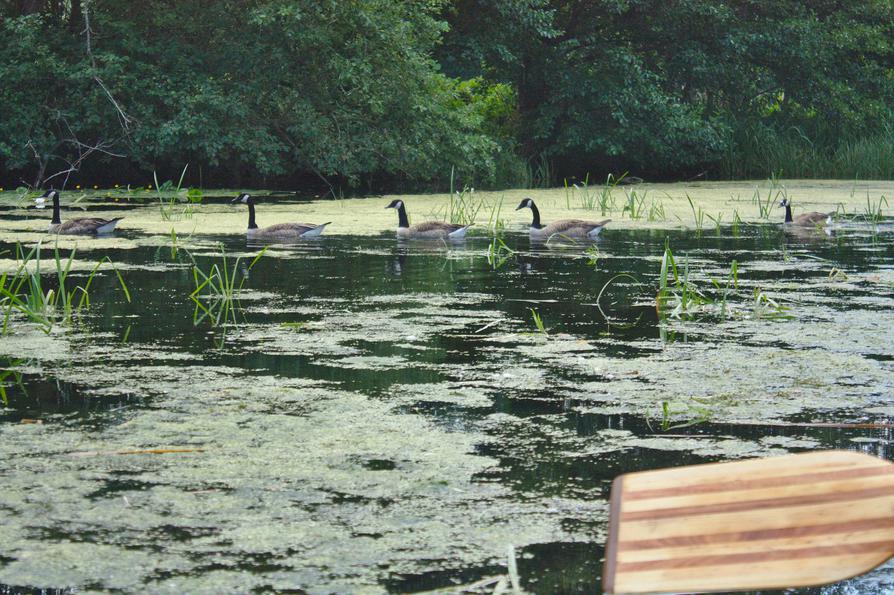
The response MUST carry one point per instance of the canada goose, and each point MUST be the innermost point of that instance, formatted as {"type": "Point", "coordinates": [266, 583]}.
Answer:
{"type": "Point", "coordinates": [812, 219]}
{"type": "Point", "coordinates": [282, 232]}
{"type": "Point", "coordinates": [427, 230]}
{"type": "Point", "coordinates": [572, 228]}
{"type": "Point", "coordinates": [82, 225]}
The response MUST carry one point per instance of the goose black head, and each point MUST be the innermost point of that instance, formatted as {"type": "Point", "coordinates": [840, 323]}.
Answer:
{"type": "Point", "coordinates": [526, 203]}
{"type": "Point", "coordinates": [395, 204]}
{"type": "Point", "coordinates": [784, 202]}
{"type": "Point", "coordinates": [243, 198]}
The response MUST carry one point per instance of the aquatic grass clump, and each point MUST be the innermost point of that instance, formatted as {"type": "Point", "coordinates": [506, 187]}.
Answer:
{"type": "Point", "coordinates": [732, 283]}
{"type": "Point", "coordinates": [872, 212]}
{"type": "Point", "coordinates": [606, 194]}
{"type": "Point", "coordinates": [696, 410]}
{"type": "Point", "coordinates": [677, 296]}
{"type": "Point", "coordinates": [680, 297]}
{"type": "Point", "coordinates": [171, 196]}
{"type": "Point", "coordinates": [591, 199]}
{"type": "Point", "coordinates": [219, 304]}
{"type": "Point", "coordinates": [696, 414]}
{"type": "Point", "coordinates": [737, 222]}
{"type": "Point", "coordinates": [697, 215]}
{"type": "Point", "coordinates": [498, 253]}
{"type": "Point", "coordinates": [25, 291]}
{"type": "Point", "coordinates": [766, 307]}
{"type": "Point", "coordinates": [656, 211]}
{"type": "Point", "coordinates": [775, 194]}
{"type": "Point", "coordinates": [588, 199]}
{"type": "Point", "coordinates": [463, 207]}
{"type": "Point", "coordinates": [495, 223]}
{"type": "Point", "coordinates": [538, 322]}
{"type": "Point", "coordinates": [634, 204]}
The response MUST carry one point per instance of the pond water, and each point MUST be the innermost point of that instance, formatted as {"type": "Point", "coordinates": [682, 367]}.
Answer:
{"type": "Point", "coordinates": [387, 417]}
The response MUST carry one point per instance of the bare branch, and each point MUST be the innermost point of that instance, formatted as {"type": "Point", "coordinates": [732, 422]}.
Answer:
{"type": "Point", "coordinates": [123, 118]}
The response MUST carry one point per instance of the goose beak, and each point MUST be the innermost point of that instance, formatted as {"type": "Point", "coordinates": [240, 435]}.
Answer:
{"type": "Point", "coordinates": [235, 200]}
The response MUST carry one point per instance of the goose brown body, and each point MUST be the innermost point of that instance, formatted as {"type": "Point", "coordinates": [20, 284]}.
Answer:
{"type": "Point", "coordinates": [77, 226]}
{"type": "Point", "coordinates": [85, 225]}
{"type": "Point", "coordinates": [571, 228]}
{"type": "Point", "coordinates": [286, 231]}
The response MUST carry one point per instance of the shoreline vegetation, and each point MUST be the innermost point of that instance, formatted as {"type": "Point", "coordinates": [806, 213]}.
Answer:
{"type": "Point", "coordinates": [345, 99]}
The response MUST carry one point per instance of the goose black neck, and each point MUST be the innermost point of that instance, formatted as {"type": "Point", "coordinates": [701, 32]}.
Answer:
{"type": "Point", "coordinates": [402, 220]}
{"type": "Point", "coordinates": [251, 216]}
{"type": "Point", "coordinates": [57, 218]}
{"type": "Point", "coordinates": [788, 213]}
{"type": "Point", "coordinates": [536, 222]}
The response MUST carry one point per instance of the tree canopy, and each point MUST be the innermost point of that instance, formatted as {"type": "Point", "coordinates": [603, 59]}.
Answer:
{"type": "Point", "coordinates": [375, 94]}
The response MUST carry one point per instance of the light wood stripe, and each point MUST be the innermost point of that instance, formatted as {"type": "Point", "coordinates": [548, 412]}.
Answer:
{"type": "Point", "coordinates": [729, 507]}
{"type": "Point", "coordinates": [756, 557]}
{"type": "Point", "coordinates": [760, 483]}
{"type": "Point", "coordinates": [749, 547]}
{"type": "Point", "coordinates": [789, 491]}
{"type": "Point", "coordinates": [769, 467]}
{"type": "Point", "coordinates": [702, 539]}
{"type": "Point", "coordinates": [758, 519]}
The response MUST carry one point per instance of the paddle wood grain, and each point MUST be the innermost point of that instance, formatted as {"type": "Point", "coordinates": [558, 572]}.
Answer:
{"type": "Point", "coordinates": [790, 521]}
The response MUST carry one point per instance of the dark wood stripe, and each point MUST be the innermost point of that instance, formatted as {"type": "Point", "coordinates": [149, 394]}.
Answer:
{"type": "Point", "coordinates": [611, 545]}
{"type": "Point", "coordinates": [759, 483]}
{"type": "Point", "coordinates": [873, 547]}
{"type": "Point", "coordinates": [757, 535]}
{"type": "Point", "coordinates": [727, 507]}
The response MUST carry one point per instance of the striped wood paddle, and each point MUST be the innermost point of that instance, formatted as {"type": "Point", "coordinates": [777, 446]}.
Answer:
{"type": "Point", "coordinates": [790, 521]}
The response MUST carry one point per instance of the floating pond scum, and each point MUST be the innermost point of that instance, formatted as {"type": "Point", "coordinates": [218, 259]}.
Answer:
{"type": "Point", "coordinates": [384, 416]}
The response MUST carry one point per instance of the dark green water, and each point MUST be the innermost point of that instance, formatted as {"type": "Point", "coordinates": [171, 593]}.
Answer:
{"type": "Point", "coordinates": [386, 417]}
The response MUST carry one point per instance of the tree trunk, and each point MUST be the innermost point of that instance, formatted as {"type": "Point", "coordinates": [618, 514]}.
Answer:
{"type": "Point", "coordinates": [75, 16]}
{"type": "Point", "coordinates": [31, 6]}
{"type": "Point", "coordinates": [41, 170]}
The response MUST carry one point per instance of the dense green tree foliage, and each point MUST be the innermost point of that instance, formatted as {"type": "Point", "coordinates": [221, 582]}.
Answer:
{"type": "Point", "coordinates": [375, 94]}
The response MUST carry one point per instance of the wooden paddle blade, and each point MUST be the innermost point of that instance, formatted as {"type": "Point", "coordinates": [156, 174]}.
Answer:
{"type": "Point", "coordinates": [791, 521]}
